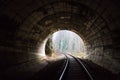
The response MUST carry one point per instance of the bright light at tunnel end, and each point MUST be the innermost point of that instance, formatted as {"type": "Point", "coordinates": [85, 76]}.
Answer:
{"type": "Point", "coordinates": [64, 41]}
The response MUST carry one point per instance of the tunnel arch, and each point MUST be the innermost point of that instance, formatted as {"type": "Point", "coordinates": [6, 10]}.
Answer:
{"type": "Point", "coordinates": [95, 22]}
{"type": "Point", "coordinates": [93, 29]}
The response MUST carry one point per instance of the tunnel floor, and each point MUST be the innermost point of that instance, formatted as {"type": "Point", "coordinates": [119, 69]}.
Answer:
{"type": "Point", "coordinates": [49, 69]}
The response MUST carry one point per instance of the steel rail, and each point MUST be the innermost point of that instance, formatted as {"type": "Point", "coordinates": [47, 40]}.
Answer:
{"type": "Point", "coordinates": [65, 67]}
{"type": "Point", "coordinates": [80, 62]}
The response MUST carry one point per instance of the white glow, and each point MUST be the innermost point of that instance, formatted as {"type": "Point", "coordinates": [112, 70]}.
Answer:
{"type": "Point", "coordinates": [41, 51]}
{"type": "Point", "coordinates": [67, 41]}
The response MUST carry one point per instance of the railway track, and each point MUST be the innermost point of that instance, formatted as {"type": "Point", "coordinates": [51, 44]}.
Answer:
{"type": "Point", "coordinates": [66, 68]}
{"type": "Point", "coordinates": [74, 69]}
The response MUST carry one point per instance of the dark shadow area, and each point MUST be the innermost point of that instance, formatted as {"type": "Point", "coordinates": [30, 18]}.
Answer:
{"type": "Point", "coordinates": [31, 70]}
{"type": "Point", "coordinates": [50, 72]}
{"type": "Point", "coordinates": [98, 72]}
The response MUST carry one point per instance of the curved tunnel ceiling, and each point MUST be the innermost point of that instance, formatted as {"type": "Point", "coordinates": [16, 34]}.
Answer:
{"type": "Point", "coordinates": [74, 12]}
{"type": "Point", "coordinates": [96, 21]}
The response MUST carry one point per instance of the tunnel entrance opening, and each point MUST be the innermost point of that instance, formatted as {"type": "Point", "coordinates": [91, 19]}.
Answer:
{"type": "Point", "coordinates": [65, 41]}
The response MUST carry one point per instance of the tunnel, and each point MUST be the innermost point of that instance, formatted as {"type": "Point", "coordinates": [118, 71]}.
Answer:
{"type": "Point", "coordinates": [26, 24]}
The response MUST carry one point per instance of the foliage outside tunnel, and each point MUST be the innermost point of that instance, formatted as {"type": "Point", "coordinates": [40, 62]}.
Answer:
{"type": "Point", "coordinates": [65, 41]}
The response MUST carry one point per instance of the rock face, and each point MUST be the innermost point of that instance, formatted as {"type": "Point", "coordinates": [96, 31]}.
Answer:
{"type": "Point", "coordinates": [24, 24]}
{"type": "Point", "coordinates": [49, 47]}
